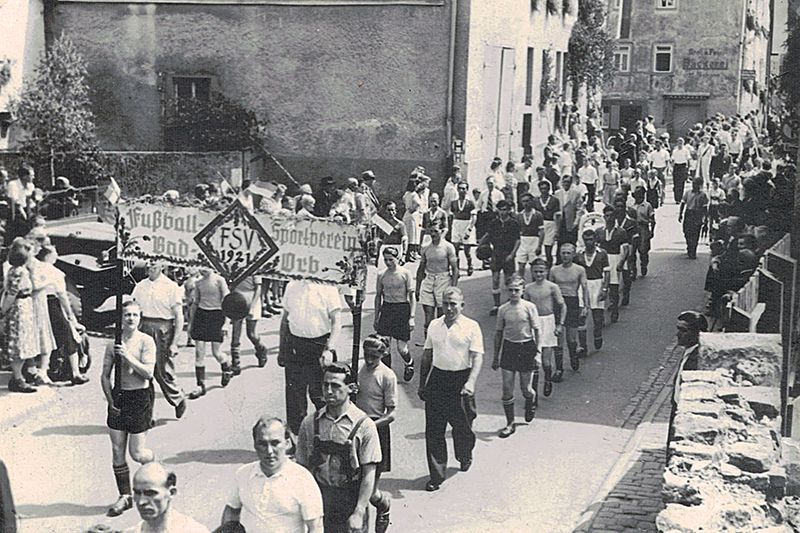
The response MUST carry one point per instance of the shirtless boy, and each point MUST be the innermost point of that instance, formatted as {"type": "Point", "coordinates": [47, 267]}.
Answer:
{"type": "Point", "coordinates": [438, 270]}
{"type": "Point", "coordinates": [547, 297]}
{"type": "Point", "coordinates": [570, 278]}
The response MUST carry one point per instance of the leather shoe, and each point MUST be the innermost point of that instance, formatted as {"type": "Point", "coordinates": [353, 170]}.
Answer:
{"type": "Point", "coordinates": [548, 389]}
{"type": "Point", "coordinates": [558, 376]}
{"type": "Point", "coordinates": [530, 409]}
{"type": "Point", "coordinates": [20, 386]}
{"type": "Point", "coordinates": [79, 380]}
{"type": "Point", "coordinates": [261, 355]}
{"type": "Point", "coordinates": [180, 409]}
{"type": "Point", "coordinates": [598, 343]}
{"type": "Point", "coordinates": [432, 486]}
{"type": "Point", "coordinates": [120, 506]}
{"type": "Point", "coordinates": [466, 464]}
{"type": "Point", "coordinates": [504, 434]}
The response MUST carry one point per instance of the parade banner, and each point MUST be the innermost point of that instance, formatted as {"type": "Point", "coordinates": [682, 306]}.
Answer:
{"type": "Point", "coordinates": [237, 243]}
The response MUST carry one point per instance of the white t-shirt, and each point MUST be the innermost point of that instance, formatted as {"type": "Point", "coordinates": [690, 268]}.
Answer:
{"type": "Point", "coordinates": [588, 175]}
{"type": "Point", "coordinates": [157, 298]}
{"type": "Point", "coordinates": [282, 502]}
{"type": "Point", "coordinates": [176, 523]}
{"type": "Point", "coordinates": [659, 158]}
{"type": "Point", "coordinates": [681, 156]}
{"type": "Point", "coordinates": [452, 346]}
{"type": "Point", "coordinates": [309, 306]}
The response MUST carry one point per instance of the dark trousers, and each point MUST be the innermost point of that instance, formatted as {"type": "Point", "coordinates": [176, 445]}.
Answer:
{"type": "Point", "coordinates": [679, 175]}
{"type": "Point", "coordinates": [338, 504]}
{"type": "Point", "coordinates": [692, 223]}
{"type": "Point", "coordinates": [613, 299]}
{"type": "Point", "coordinates": [163, 332]}
{"type": "Point", "coordinates": [627, 281]}
{"type": "Point", "coordinates": [641, 246]}
{"type": "Point", "coordinates": [591, 189]}
{"type": "Point", "coordinates": [303, 377]}
{"type": "Point", "coordinates": [445, 405]}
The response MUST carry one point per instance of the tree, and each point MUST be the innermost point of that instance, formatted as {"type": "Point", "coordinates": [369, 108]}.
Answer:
{"type": "Point", "coordinates": [591, 49]}
{"type": "Point", "coordinates": [53, 110]}
{"type": "Point", "coordinates": [216, 124]}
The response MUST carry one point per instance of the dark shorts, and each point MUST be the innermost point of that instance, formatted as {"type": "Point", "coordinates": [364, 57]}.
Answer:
{"type": "Point", "coordinates": [393, 321]}
{"type": "Point", "coordinates": [136, 410]}
{"type": "Point", "coordinates": [573, 319]}
{"type": "Point", "coordinates": [518, 356]}
{"type": "Point", "coordinates": [207, 325]}
{"type": "Point", "coordinates": [386, 449]}
{"type": "Point", "coordinates": [499, 263]}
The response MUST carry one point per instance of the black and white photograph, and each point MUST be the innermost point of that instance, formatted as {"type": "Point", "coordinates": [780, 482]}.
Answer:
{"type": "Point", "coordinates": [417, 266]}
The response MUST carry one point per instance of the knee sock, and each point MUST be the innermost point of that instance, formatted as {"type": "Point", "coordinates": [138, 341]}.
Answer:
{"type": "Point", "coordinates": [235, 361]}
{"type": "Point", "coordinates": [558, 351]}
{"type": "Point", "coordinates": [548, 374]}
{"type": "Point", "coordinates": [496, 296]}
{"type": "Point", "coordinates": [508, 407]}
{"type": "Point", "coordinates": [572, 347]}
{"type": "Point", "coordinates": [582, 339]}
{"type": "Point", "coordinates": [122, 475]}
{"type": "Point", "coordinates": [200, 374]}
{"type": "Point", "coordinates": [535, 382]}
{"type": "Point", "coordinates": [380, 500]}
{"type": "Point", "coordinates": [225, 367]}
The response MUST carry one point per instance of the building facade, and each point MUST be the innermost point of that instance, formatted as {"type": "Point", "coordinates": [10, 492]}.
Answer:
{"type": "Point", "coordinates": [21, 44]}
{"type": "Point", "coordinates": [684, 60]}
{"type": "Point", "coordinates": [342, 85]}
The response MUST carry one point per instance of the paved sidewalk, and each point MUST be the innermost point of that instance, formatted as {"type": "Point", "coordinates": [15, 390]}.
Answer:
{"type": "Point", "coordinates": [630, 498]}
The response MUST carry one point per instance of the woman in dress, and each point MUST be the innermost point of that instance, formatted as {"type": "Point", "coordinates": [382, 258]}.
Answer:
{"type": "Point", "coordinates": [66, 329]}
{"type": "Point", "coordinates": [41, 315]}
{"type": "Point", "coordinates": [17, 308]}
{"type": "Point", "coordinates": [412, 203]}
{"type": "Point", "coordinates": [610, 183]}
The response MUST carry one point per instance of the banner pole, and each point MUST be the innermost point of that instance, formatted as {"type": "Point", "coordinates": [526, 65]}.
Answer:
{"type": "Point", "coordinates": [118, 266]}
{"type": "Point", "coordinates": [356, 311]}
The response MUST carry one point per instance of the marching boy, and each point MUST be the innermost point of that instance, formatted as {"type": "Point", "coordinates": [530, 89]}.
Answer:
{"type": "Point", "coordinates": [547, 297]}
{"type": "Point", "coordinates": [516, 350]}
{"type": "Point", "coordinates": [377, 397]}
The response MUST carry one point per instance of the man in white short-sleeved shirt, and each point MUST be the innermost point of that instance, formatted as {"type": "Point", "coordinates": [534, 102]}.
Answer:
{"type": "Point", "coordinates": [451, 362]}
{"type": "Point", "coordinates": [274, 494]}
{"type": "Point", "coordinates": [162, 318]}
{"type": "Point", "coordinates": [310, 326]}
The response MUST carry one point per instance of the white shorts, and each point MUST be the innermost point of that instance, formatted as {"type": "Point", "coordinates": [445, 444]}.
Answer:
{"type": "Point", "coordinates": [595, 287]}
{"type": "Point", "coordinates": [547, 326]}
{"type": "Point", "coordinates": [550, 232]}
{"type": "Point", "coordinates": [527, 249]}
{"type": "Point", "coordinates": [460, 233]}
{"type": "Point", "coordinates": [431, 292]}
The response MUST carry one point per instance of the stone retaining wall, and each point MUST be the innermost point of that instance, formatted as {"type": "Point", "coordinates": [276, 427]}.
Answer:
{"type": "Point", "coordinates": [728, 467]}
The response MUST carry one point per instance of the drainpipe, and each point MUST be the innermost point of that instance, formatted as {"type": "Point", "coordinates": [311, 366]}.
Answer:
{"type": "Point", "coordinates": [742, 38]}
{"type": "Point", "coordinates": [451, 60]}
{"type": "Point", "coordinates": [769, 62]}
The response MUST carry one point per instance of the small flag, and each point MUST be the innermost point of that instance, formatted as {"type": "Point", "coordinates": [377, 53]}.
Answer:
{"type": "Point", "coordinates": [382, 224]}
{"type": "Point", "coordinates": [262, 188]}
{"type": "Point", "coordinates": [113, 193]}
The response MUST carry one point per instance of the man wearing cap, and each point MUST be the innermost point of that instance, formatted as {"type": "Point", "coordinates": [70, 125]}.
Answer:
{"type": "Point", "coordinates": [688, 328]}
{"type": "Point", "coordinates": [325, 197]}
{"type": "Point", "coordinates": [162, 318]}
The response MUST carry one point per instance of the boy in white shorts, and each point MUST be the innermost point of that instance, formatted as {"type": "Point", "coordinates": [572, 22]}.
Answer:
{"type": "Point", "coordinates": [531, 234]}
{"type": "Point", "coordinates": [547, 297]}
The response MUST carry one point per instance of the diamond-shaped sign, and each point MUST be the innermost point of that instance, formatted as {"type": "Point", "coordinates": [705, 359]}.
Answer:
{"type": "Point", "coordinates": [236, 243]}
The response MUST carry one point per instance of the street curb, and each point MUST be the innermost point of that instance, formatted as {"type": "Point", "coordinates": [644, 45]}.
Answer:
{"type": "Point", "coordinates": [633, 446]}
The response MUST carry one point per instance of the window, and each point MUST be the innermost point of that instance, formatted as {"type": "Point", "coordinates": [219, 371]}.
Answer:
{"type": "Point", "coordinates": [662, 58]}
{"type": "Point", "coordinates": [666, 4]}
{"type": "Point", "coordinates": [625, 20]}
{"type": "Point", "coordinates": [197, 88]}
{"type": "Point", "coordinates": [622, 58]}
{"type": "Point", "coordinates": [564, 79]}
{"type": "Point", "coordinates": [614, 5]}
{"type": "Point", "coordinates": [529, 77]}
{"type": "Point", "coordinates": [559, 69]}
